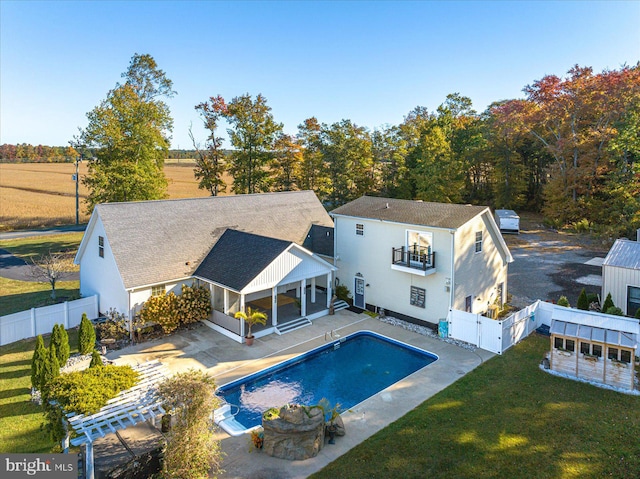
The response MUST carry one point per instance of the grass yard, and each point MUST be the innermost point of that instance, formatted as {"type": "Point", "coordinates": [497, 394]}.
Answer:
{"type": "Point", "coordinates": [17, 296]}
{"type": "Point", "coordinates": [20, 419]}
{"type": "Point", "coordinates": [506, 419]}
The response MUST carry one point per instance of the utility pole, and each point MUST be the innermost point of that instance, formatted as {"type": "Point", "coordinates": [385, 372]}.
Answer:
{"type": "Point", "coordinates": [77, 178]}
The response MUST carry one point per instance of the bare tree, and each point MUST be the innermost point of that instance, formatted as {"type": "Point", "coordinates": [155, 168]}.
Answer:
{"type": "Point", "coordinates": [51, 268]}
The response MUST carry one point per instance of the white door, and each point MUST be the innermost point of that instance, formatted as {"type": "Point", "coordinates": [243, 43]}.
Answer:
{"type": "Point", "coordinates": [358, 292]}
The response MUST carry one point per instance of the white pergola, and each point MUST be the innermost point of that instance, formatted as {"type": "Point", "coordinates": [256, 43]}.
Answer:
{"type": "Point", "coordinates": [133, 406]}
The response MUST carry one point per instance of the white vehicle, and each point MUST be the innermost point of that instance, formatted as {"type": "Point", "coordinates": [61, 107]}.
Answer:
{"type": "Point", "coordinates": [508, 221]}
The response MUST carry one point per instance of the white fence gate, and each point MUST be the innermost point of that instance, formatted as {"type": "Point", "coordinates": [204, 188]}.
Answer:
{"type": "Point", "coordinates": [30, 323]}
{"type": "Point", "coordinates": [493, 335]}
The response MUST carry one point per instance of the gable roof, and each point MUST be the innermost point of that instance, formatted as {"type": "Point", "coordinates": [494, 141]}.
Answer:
{"type": "Point", "coordinates": [439, 215]}
{"type": "Point", "coordinates": [160, 241]}
{"type": "Point", "coordinates": [239, 257]}
{"type": "Point", "coordinates": [624, 254]}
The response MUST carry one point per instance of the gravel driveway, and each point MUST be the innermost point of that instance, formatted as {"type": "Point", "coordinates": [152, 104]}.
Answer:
{"type": "Point", "coordinates": [548, 264]}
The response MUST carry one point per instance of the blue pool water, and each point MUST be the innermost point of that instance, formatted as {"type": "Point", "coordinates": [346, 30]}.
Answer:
{"type": "Point", "coordinates": [345, 372]}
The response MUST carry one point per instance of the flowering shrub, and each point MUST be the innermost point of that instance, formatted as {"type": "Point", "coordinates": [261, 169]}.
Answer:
{"type": "Point", "coordinates": [194, 304]}
{"type": "Point", "coordinates": [162, 310]}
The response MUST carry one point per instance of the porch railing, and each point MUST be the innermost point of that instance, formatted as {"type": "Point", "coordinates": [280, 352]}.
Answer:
{"type": "Point", "coordinates": [413, 257]}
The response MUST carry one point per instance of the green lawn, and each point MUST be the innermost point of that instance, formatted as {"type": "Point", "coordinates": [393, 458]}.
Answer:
{"type": "Point", "coordinates": [20, 419]}
{"type": "Point", "coordinates": [506, 419]}
{"type": "Point", "coordinates": [18, 296]}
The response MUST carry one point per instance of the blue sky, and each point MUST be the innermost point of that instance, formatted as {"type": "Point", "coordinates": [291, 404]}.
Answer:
{"type": "Point", "coordinates": [371, 62]}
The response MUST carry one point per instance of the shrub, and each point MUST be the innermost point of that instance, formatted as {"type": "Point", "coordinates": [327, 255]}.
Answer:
{"type": "Point", "coordinates": [60, 339]}
{"type": "Point", "coordinates": [37, 362]}
{"type": "Point", "coordinates": [194, 304]}
{"type": "Point", "coordinates": [637, 315]}
{"type": "Point", "coordinates": [343, 293]}
{"type": "Point", "coordinates": [583, 301]}
{"type": "Point", "coordinates": [85, 392]}
{"type": "Point", "coordinates": [614, 311]}
{"type": "Point", "coordinates": [563, 301]}
{"type": "Point", "coordinates": [581, 226]}
{"type": "Point", "coordinates": [162, 310]}
{"type": "Point", "coordinates": [608, 303]}
{"type": "Point", "coordinates": [114, 327]}
{"type": "Point", "coordinates": [86, 335]}
{"type": "Point", "coordinates": [96, 360]}
{"type": "Point", "coordinates": [192, 450]}
{"type": "Point", "coordinates": [50, 371]}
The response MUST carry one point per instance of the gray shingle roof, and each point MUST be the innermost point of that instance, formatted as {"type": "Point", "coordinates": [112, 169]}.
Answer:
{"type": "Point", "coordinates": [237, 258]}
{"type": "Point", "coordinates": [624, 254]}
{"type": "Point", "coordinates": [440, 215]}
{"type": "Point", "coordinates": [159, 241]}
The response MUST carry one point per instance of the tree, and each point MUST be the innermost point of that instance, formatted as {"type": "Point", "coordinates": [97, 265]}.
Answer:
{"type": "Point", "coordinates": [608, 303]}
{"type": "Point", "coordinates": [51, 268]}
{"type": "Point", "coordinates": [251, 317]}
{"type": "Point", "coordinates": [210, 163]}
{"type": "Point", "coordinates": [191, 451]}
{"type": "Point", "coordinates": [583, 301]}
{"type": "Point", "coordinates": [253, 132]}
{"type": "Point", "coordinates": [129, 132]}
{"type": "Point", "coordinates": [50, 370]}
{"type": "Point", "coordinates": [60, 339]}
{"type": "Point", "coordinates": [313, 171]}
{"type": "Point", "coordinates": [37, 362]}
{"type": "Point", "coordinates": [389, 150]}
{"type": "Point", "coordinates": [86, 335]}
{"type": "Point", "coordinates": [286, 163]}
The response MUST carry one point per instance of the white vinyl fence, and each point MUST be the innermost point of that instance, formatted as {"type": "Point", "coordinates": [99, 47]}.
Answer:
{"type": "Point", "coordinates": [497, 335]}
{"type": "Point", "coordinates": [30, 323]}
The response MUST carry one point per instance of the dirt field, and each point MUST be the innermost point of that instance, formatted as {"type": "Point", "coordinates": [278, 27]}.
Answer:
{"type": "Point", "coordinates": [549, 264]}
{"type": "Point", "coordinates": [34, 195]}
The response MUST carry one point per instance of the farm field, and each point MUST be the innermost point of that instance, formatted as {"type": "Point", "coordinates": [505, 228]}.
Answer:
{"type": "Point", "coordinates": [34, 195]}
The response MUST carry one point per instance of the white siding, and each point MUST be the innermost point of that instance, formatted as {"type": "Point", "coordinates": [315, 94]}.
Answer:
{"type": "Point", "coordinates": [371, 255]}
{"type": "Point", "coordinates": [291, 266]}
{"type": "Point", "coordinates": [477, 274]}
{"type": "Point", "coordinates": [100, 275]}
{"type": "Point", "coordinates": [615, 280]}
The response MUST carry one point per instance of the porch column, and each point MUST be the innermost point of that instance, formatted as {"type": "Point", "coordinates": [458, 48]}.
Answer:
{"type": "Point", "coordinates": [313, 290]}
{"type": "Point", "coordinates": [226, 301]}
{"type": "Point", "coordinates": [329, 292]}
{"type": "Point", "coordinates": [88, 460]}
{"type": "Point", "coordinates": [274, 305]}
{"type": "Point", "coordinates": [241, 302]}
{"type": "Point", "coordinates": [303, 297]}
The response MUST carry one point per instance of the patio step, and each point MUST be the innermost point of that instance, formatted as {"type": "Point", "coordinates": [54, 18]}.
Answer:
{"type": "Point", "coordinates": [339, 305]}
{"type": "Point", "coordinates": [292, 325]}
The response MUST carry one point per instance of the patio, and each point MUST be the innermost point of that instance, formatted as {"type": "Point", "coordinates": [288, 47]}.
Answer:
{"type": "Point", "coordinates": [227, 360]}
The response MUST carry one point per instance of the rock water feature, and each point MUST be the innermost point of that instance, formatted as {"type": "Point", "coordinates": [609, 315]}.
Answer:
{"type": "Point", "coordinates": [293, 432]}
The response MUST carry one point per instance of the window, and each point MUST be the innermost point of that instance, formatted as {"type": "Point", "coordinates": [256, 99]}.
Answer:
{"type": "Point", "coordinates": [564, 344]}
{"type": "Point", "coordinates": [591, 349]}
{"type": "Point", "coordinates": [359, 229]}
{"type": "Point", "coordinates": [619, 355]}
{"type": "Point", "coordinates": [633, 300]}
{"type": "Point", "coordinates": [478, 241]}
{"type": "Point", "coordinates": [158, 290]}
{"type": "Point", "coordinates": [101, 246]}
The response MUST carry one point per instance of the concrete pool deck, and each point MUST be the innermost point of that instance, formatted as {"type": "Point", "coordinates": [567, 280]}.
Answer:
{"type": "Point", "coordinates": [202, 348]}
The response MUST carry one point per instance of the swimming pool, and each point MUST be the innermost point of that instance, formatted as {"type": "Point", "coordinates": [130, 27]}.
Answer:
{"type": "Point", "coordinates": [344, 372]}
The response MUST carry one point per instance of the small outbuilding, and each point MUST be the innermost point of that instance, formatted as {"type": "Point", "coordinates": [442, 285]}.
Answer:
{"type": "Point", "coordinates": [621, 275]}
{"type": "Point", "coordinates": [594, 346]}
{"type": "Point", "coordinates": [508, 221]}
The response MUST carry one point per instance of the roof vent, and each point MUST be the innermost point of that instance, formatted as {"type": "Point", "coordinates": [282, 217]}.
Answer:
{"type": "Point", "coordinates": [387, 206]}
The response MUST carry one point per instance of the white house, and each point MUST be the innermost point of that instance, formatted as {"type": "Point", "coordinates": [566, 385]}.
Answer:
{"type": "Point", "coordinates": [417, 260]}
{"type": "Point", "coordinates": [268, 251]}
{"type": "Point", "coordinates": [621, 275]}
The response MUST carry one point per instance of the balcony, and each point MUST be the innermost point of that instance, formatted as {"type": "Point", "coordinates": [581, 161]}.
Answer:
{"type": "Point", "coordinates": [415, 260]}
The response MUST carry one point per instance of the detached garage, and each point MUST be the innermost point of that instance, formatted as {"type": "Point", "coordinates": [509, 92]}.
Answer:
{"type": "Point", "coordinates": [621, 275]}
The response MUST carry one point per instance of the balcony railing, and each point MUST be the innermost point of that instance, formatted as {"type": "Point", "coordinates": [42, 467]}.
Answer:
{"type": "Point", "coordinates": [413, 257]}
